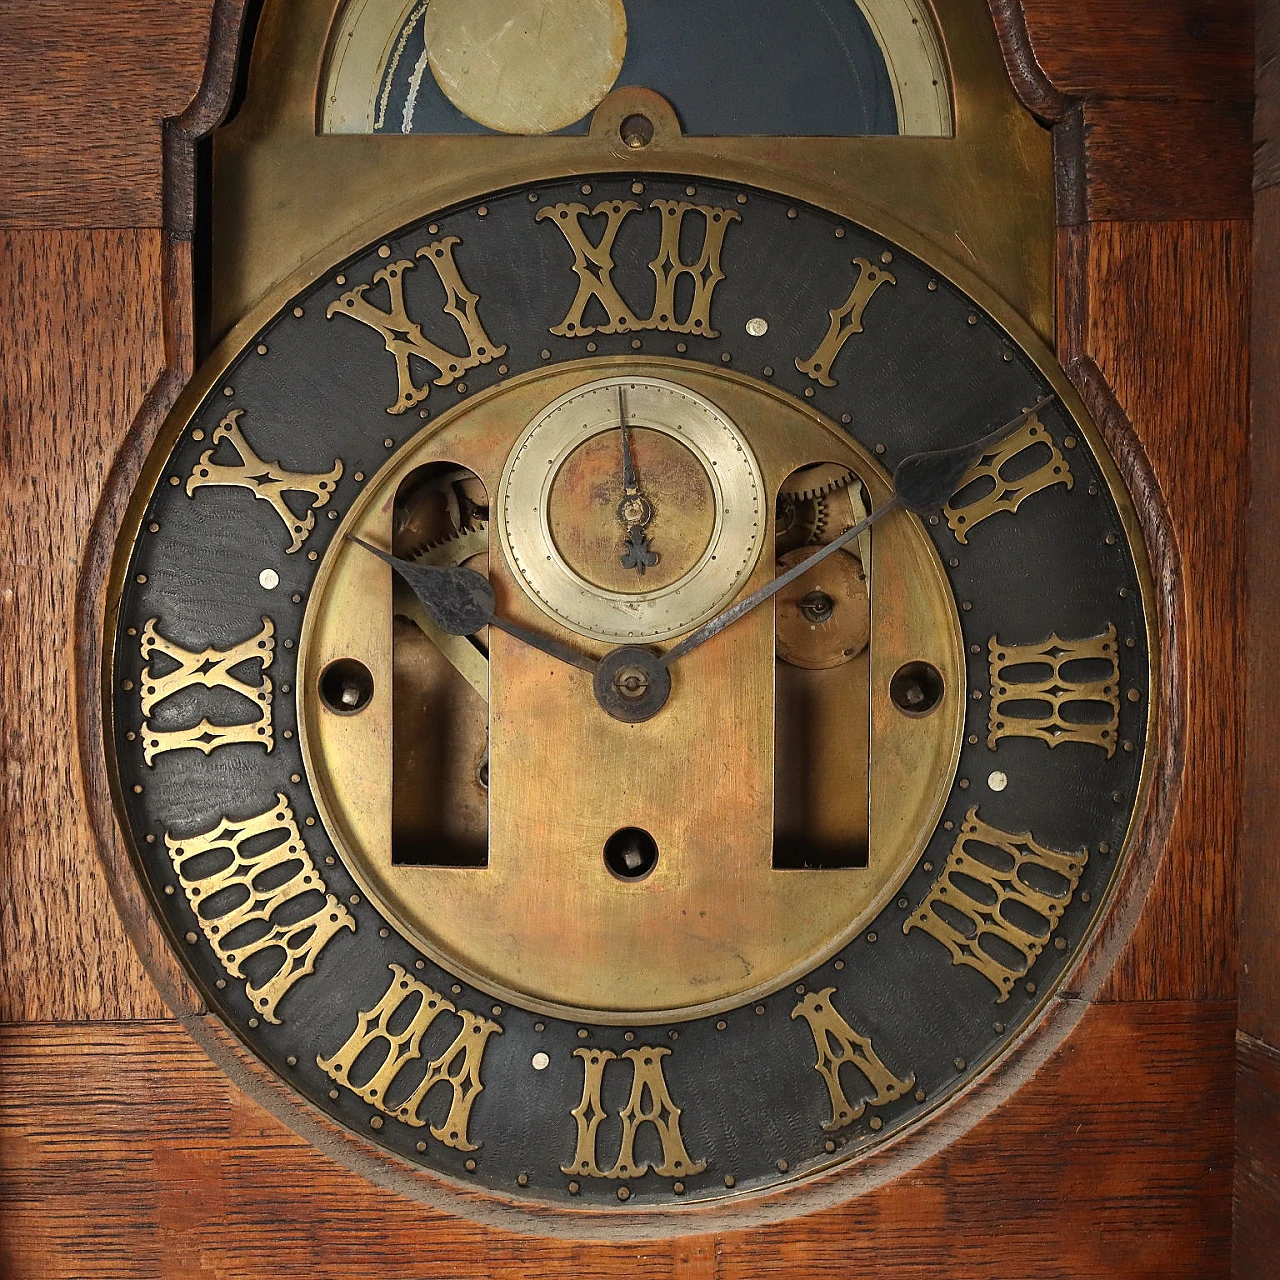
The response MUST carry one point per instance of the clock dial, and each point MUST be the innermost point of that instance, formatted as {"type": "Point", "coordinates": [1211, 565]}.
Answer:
{"type": "Point", "coordinates": [438, 882]}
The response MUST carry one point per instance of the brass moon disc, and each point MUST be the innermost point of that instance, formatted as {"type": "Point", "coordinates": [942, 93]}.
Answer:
{"type": "Point", "coordinates": [525, 66]}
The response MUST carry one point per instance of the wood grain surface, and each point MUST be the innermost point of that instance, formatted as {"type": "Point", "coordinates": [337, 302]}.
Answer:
{"type": "Point", "coordinates": [124, 1151]}
{"type": "Point", "coordinates": [1257, 1159]}
{"type": "Point", "coordinates": [182, 1176]}
{"type": "Point", "coordinates": [86, 89]}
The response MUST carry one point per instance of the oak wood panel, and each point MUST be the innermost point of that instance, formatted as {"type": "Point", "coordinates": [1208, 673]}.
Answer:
{"type": "Point", "coordinates": [1122, 1170]}
{"type": "Point", "coordinates": [1146, 160]}
{"type": "Point", "coordinates": [1256, 1216]}
{"type": "Point", "coordinates": [1163, 309]}
{"type": "Point", "coordinates": [83, 346]}
{"type": "Point", "coordinates": [1175, 49]}
{"type": "Point", "coordinates": [86, 88]}
{"type": "Point", "coordinates": [1260, 869]}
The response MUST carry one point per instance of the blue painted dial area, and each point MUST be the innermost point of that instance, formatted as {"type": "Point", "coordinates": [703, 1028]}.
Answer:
{"type": "Point", "coordinates": [727, 67]}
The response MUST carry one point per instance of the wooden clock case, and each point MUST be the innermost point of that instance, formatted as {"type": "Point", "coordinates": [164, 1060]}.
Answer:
{"type": "Point", "coordinates": [1103, 1148]}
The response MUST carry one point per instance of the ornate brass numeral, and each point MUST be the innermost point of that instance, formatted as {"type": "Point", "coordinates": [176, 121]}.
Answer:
{"type": "Point", "coordinates": [241, 924]}
{"type": "Point", "coordinates": [838, 1043]}
{"type": "Point", "coordinates": [846, 320]}
{"type": "Point", "coordinates": [266, 480]}
{"type": "Point", "coordinates": [1031, 687]}
{"type": "Point", "coordinates": [649, 1103]}
{"type": "Point", "coordinates": [999, 493]}
{"type": "Point", "coordinates": [404, 338]}
{"type": "Point", "coordinates": [593, 265]}
{"type": "Point", "coordinates": [208, 669]}
{"type": "Point", "coordinates": [456, 1068]}
{"type": "Point", "coordinates": [967, 908]}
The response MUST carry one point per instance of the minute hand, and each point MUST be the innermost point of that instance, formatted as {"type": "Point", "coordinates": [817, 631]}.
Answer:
{"type": "Point", "coordinates": [921, 483]}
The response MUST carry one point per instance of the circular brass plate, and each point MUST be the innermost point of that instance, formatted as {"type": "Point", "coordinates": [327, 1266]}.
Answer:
{"type": "Point", "coordinates": [526, 66]}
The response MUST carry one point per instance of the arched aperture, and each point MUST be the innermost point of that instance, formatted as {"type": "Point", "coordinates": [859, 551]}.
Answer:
{"type": "Point", "coordinates": [827, 68]}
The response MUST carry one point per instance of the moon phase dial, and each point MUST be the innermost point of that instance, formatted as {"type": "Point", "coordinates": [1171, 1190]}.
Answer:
{"type": "Point", "coordinates": [575, 535]}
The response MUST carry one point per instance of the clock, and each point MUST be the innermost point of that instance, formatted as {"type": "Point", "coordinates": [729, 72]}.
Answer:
{"type": "Point", "coordinates": [584, 887]}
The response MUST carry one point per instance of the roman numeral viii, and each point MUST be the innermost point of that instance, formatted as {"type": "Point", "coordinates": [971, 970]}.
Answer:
{"type": "Point", "coordinates": [404, 338]}
{"type": "Point", "coordinates": [998, 900]}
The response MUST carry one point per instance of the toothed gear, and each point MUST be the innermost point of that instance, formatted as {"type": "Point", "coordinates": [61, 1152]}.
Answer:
{"type": "Point", "coordinates": [456, 549]}
{"type": "Point", "coordinates": [814, 481]}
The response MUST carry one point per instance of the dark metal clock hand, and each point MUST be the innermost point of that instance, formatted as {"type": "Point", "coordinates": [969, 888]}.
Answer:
{"type": "Point", "coordinates": [922, 483]}
{"type": "Point", "coordinates": [461, 602]}
{"type": "Point", "coordinates": [635, 510]}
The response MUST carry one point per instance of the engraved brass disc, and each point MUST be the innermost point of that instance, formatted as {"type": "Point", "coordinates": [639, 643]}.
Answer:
{"type": "Point", "coordinates": [526, 66]}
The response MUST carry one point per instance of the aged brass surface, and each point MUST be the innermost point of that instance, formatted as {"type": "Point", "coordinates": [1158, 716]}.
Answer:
{"type": "Point", "coordinates": [525, 66]}
{"type": "Point", "coordinates": [288, 194]}
{"type": "Point", "coordinates": [715, 921]}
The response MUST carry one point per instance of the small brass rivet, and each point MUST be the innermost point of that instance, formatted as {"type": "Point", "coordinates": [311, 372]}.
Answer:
{"type": "Point", "coordinates": [573, 1188]}
{"type": "Point", "coordinates": [142, 577]}
{"type": "Point", "coordinates": [191, 937]}
{"type": "Point", "coordinates": [419, 1146]}
{"type": "Point", "coordinates": [268, 579]}
{"type": "Point", "coordinates": [846, 418]}
{"type": "Point", "coordinates": [583, 1033]}
{"type": "Point", "coordinates": [388, 443]}
{"type": "Point", "coordinates": [342, 279]}
{"type": "Point", "coordinates": [433, 229]}
{"type": "Point", "coordinates": [839, 233]}
{"type": "Point", "coordinates": [496, 1010]}
{"type": "Point", "coordinates": [540, 1061]}
{"type": "Point", "coordinates": [502, 368]}
{"type": "Point", "coordinates": [729, 1179]}
{"type": "Point", "coordinates": [880, 449]}
{"type": "Point", "coordinates": [768, 371]}
{"type": "Point", "coordinates": [902, 904]}
{"type": "Point", "coordinates": [783, 1166]}
{"type": "Point", "coordinates": [311, 822]}
{"type": "Point", "coordinates": [828, 1146]}
{"type": "Point", "coordinates": [800, 989]}
{"type": "Point", "coordinates": [725, 357]}
{"type": "Point", "coordinates": [384, 933]}
{"type": "Point", "coordinates": [539, 1026]}
{"type": "Point", "coordinates": [973, 319]}
{"type": "Point", "coordinates": [720, 1026]}
{"type": "Point", "coordinates": [375, 1122]}
{"type": "Point", "coordinates": [997, 780]}
{"type": "Point", "coordinates": [1060, 943]}
{"type": "Point", "coordinates": [928, 866]}
{"type": "Point", "coordinates": [933, 286]}
{"type": "Point", "coordinates": [546, 355]}
{"type": "Point", "coordinates": [1134, 696]}
{"type": "Point", "coordinates": [624, 1193]}
{"type": "Point", "coordinates": [628, 1036]}
{"type": "Point", "coordinates": [920, 1095]}
{"type": "Point", "coordinates": [1031, 987]}
{"type": "Point", "coordinates": [759, 1009]}
{"type": "Point", "coordinates": [678, 1188]}
{"type": "Point", "coordinates": [682, 347]}
{"type": "Point", "coordinates": [871, 937]}
{"type": "Point", "coordinates": [456, 989]}
{"type": "Point", "coordinates": [126, 684]}
{"type": "Point", "coordinates": [522, 1179]}
{"type": "Point", "coordinates": [964, 784]}
{"type": "Point", "coordinates": [384, 251]}
{"type": "Point", "coordinates": [292, 1060]}
{"type": "Point", "coordinates": [635, 344]}
{"type": "Point", "coordinates": [228, 391]}
{"type": "Point", "coordinates": [253, 1022]}
{"type": "Point", "coordinates": [295, 777]}
{"type": "Point", "coordinates": [354, 899]}
{"type": "Point", "coordinates": [1008, 357]}
{"type": "Point", "coordinates": [637, 188]}
{"type": "Point", "coordinates": [960, 1064]}
{"type": "Point", "coordinates": [419, 964]}
{"type": "Point", "coordinates": [333, 1093]}
{"type": "Point", "coordinates": [137, 789]}
{"type": "Point", "coordinates": [1086, 896]}
{"type": "Point", "coordinates": [221, 984]}
{"type": "Point", "coordinates": [262, 350]}
{"type": "Point", "coordinates": [793, 213]}
{"type": "Point", "coordinates": [742, 199]}
{"type": "Point", "coordinates": [170, 890]}
{"type": "Point", "coordinates": [471, 1166]}
{"type": "Point", "coordinates": [839, 964]}
{"type": "Point", "coordinates": [298, 312]}
{"type": "Point", "coordinates": [1070, 443]}
{"type": "Point", "coordinates": [886, 257]}
{"type": "Point", "coordinates": [1104, 847]}
{"type": "Point", "coordinates": [876, 1122]}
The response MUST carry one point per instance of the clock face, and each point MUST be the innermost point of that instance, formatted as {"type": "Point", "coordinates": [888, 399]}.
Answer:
{"type": "Point", "coordinates": [601, 905]}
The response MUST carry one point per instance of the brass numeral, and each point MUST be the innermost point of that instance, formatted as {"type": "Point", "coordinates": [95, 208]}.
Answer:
{"type": "Point", "coordinates": [846, 320]}
{"type": "Point", "coordinates": [207, 669]}
{"type": "Point", "coordinates": [242, 923]}
{"type": "Point", "coordinates": [593, 264]}
{"type": "Point", "coordinates": [988, 871]}
{"type": "Point", "coordinates": [266, 480]}
{"type": "Point", "coordinates": [838, 1043]}
{"type": "Point", "coordinates": [1002, 488]}
{"type": "Point", "coordinates": [404, 337]}
{"type": "Point", "coordinates": [649, 1103]}
{"type": "Point", "coordinates": [1032, 685]}
{"type": "Point", "coordinates": [414, 1007]}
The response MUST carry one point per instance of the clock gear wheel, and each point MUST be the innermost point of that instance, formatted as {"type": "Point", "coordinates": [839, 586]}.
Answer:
{"type": "Point", "coordinates": [444, 504]}
{"type": "Point", "coordinates": [800, 522]}
{"type": "Point", "coordinates": [815, 481]}
{"type": "Point", "coordinates": [824, 616]}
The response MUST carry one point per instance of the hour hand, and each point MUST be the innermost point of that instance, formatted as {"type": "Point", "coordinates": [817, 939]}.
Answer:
{"type": "Point", "coordinates": [461, 602]}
